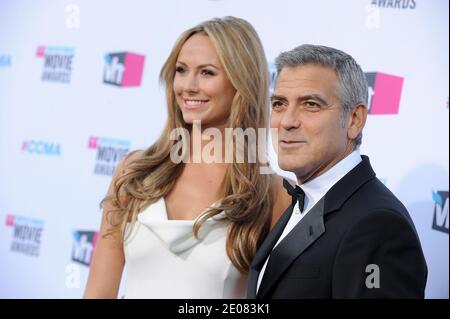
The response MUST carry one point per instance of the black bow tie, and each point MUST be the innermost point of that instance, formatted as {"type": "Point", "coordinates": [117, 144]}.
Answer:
{"type": "Point", "coordinates": [296, 192]}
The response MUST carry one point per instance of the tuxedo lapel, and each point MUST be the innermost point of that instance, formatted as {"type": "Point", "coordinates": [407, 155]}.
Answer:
{"type": "Point", "coordinates": [350, 183]}
{"type": "Point", "coordinates": [308, 230]}
{"type": "Point", "coordinates": [264, 251]}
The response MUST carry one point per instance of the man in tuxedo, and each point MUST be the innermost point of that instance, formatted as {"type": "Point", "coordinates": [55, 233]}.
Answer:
{"type": "Point", "coordinates": [345, 235]}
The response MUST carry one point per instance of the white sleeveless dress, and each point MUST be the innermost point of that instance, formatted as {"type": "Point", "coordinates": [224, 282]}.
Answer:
{"type": "Point", "coordinates": [164, 259]}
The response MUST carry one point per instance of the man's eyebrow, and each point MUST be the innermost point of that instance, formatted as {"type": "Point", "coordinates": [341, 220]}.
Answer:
{"type": "Point", "coordinates": [300, 99]}
{"type": "Point", "coordinates": [278, 97]}
{"type": "Point", "coordinates": [316, 97]}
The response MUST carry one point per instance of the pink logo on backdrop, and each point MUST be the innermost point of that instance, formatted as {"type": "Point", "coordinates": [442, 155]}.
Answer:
{"type": "Point", "coordinates": [385, 91]}
{"type": "Point", "coordinates": [40, 51]}
{"type": "Point", "coordinates": [10, 220]}
{"type": "Point", "coordinates": [93, 142]}
{"type": "Point", "coordinates": [123, 69]}
{"type": "Point", "coordinates": [24, 145]}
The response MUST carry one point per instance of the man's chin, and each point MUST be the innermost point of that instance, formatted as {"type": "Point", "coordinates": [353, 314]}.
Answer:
{"type": "Point", "coordinates": [289, 166]}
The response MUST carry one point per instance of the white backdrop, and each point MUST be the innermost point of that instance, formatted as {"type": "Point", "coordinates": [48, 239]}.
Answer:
{"type": "Point", "coordinates": [79, 88]}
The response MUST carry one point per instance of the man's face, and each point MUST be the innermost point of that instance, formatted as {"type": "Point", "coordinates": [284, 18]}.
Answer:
{"type": "Point", "coordinates": [307, 112]}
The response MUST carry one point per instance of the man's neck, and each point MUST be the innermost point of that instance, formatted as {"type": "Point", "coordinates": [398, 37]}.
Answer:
{"type": "Point", "coordinates": [320, 170]}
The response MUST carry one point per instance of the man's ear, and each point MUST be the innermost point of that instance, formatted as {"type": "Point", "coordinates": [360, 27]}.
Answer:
{"type": "Point", "coordinates": [357, 120]}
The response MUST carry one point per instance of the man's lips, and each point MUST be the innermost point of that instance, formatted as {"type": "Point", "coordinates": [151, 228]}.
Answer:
{"type": "Point", "coordinates": [291, 143]}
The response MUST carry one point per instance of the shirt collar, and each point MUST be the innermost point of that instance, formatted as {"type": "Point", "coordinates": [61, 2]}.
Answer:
{"type": "Point", "coordinates": [320, 185]}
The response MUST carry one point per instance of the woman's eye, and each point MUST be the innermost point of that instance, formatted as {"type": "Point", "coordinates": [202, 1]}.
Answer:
{"type": "Point", "coordinates": [179, 69]}
{"type": "Point", "coordinates": [208, 72]}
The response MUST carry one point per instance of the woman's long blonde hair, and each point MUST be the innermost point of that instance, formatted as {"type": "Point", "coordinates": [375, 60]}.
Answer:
{"type": "Point", "coordinates": [247, 200]}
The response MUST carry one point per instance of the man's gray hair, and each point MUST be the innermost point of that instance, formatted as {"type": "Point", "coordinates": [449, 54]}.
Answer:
{"type": "Point", "coordinates": [353, 83]}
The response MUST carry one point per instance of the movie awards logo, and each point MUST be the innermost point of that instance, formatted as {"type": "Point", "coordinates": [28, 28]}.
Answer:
{"type": "Point", "coordinates": [395, 4]}
{"type": "Point", "coordinates": [123, 69]}
{"type": "Point", "coordinates": [83, 246]}
{"type": "Point", "coordinates": [385, 91]}
{"type": "Point", "coordinates": [57, 63]}
{"type": "Point", "coordinates": [109, 152]}
{"type": "Point", "coordinates": [440, 214]}
{"type": "Point", "coordinates": [27, 233]}
{"type": "Point", "coordinates": [37, 147]}
{"type": "Point", "coordinates": [5, 60]}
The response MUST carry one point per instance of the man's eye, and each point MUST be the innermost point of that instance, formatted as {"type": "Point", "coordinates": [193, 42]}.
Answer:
{"type": "Point", "coordinates": [277, 104]}
{"type": "Point", "coordinates": [311, 105]}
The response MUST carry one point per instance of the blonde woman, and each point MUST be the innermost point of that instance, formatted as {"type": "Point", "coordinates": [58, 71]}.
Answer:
{"type": "Point", "coordinates": [189, 229]}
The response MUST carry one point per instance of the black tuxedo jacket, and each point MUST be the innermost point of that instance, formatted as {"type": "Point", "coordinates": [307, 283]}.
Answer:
{"type": "Point", "coordinates": [358, 241]}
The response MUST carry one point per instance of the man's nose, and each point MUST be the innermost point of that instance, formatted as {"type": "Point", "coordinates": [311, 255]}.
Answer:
{"type": "Point", "coordinates": [290, 119]}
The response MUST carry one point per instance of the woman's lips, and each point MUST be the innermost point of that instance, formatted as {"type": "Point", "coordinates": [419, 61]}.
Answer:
{"type": "Point", "coordinates": [193, 104]}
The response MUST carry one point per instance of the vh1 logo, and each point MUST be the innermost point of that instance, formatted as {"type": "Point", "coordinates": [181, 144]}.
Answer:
{"type": "Point", "coordinates": [440, 216]}
{"type": "Point", "coordinates": [123, 69]}
{"type": "Point", "coordinates": [385, 91]}
{"type": "Point", "coordinates": [83, 246]}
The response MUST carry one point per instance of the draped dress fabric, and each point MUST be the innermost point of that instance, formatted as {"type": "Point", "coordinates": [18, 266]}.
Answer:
{"type": "Point", "coordinates": [165, 260]}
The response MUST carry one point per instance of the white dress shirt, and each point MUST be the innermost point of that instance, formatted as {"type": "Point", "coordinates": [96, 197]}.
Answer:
{"type": "Point", "coordinates": [314, 190]}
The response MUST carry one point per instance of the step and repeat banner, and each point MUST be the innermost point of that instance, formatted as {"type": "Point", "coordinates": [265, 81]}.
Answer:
{"type": "Point", "coordinates": [79, 90]}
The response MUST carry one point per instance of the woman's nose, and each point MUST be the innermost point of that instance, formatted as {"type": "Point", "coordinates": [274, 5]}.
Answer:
{"type": "Point", "coordinates": [191, 84]}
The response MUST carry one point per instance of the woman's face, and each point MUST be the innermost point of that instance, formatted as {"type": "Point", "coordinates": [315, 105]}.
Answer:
{"type": "Point", "coordinates": [202, 89]}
